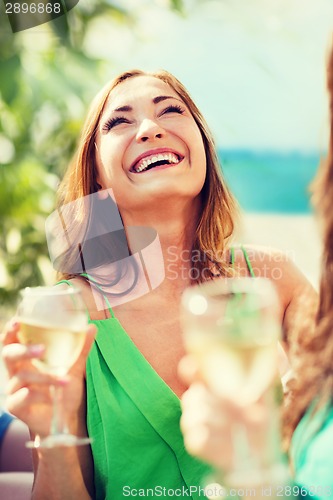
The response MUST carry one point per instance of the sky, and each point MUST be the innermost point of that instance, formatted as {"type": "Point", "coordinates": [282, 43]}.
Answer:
{"type": "Point", "coordinates": [255, 68]}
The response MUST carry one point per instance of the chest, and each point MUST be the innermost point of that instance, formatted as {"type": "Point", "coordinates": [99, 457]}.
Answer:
{"type": "Point", "coordinates": [157, 334]}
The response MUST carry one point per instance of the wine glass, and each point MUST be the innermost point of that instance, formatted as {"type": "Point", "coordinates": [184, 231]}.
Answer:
{"type": "Point", "coordinates": [56, 318]}
{"type": "Point", "coordinates": [232, 327]}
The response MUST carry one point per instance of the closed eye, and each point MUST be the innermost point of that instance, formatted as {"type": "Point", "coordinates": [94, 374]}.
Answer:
{"type": "Point", "coordinates": [113, 122]}
{"type": "Point", "coordinates": [173, 108]}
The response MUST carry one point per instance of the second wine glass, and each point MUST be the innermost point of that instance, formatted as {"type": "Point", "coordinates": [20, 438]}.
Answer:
{"type": "Point", "coordinates": [232, 327]}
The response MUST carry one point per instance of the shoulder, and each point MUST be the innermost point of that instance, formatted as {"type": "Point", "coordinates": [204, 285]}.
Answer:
{"type": "Point", "coordinates": [271, 263]}
{"type": "Point", "coordinates": [265, 257]}
{"type": "Point", "coordinates": [295, 292]}
{"type": "Point", "coordinates": [93, 299]}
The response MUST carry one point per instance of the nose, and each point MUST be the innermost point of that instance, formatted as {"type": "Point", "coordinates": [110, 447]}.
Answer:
{"type": "Point", "coordinates": [149, 130]}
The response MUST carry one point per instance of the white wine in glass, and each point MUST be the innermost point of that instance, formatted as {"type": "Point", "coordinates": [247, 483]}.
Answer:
{"type": "Point", "coordinates": [232, 327]}
{"type": "Point", "coordinates": [62, 344]}
{"type": "Point", "coordinates": [56, 318]}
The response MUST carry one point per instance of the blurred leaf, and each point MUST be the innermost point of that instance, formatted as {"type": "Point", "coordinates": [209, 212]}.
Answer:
{"type": "Point", "coordinates": [10, 76]}
{"type": "Point", "coordinates": [177, 5]}
{"type": "Point", "coordinates": [61, 28]}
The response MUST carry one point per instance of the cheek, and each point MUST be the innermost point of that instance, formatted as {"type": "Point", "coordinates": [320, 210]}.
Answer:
{"type": "Point", "coordinates": [110, 158]}
{"type": "Point", "coordinates": [195, 143]}
{"type": "Point", "coordinates": [199, 153]}
{"type": "Point", "coordinates": [202, 157]}
{"type": "Point", "coordinates": [201, 166]}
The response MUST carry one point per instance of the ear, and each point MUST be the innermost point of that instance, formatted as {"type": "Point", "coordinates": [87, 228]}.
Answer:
{"type": "Point", "coordinates": [102, 193]}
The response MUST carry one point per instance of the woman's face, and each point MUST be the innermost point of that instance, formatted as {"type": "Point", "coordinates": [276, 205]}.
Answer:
{"type": "Point", "coordinates": [149, 147]}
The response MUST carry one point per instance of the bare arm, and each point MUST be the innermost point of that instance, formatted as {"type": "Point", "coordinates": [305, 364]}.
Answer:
{"type": "Point", "coordinates": [60, 473]}
{"type": "Point", "coordinates": [65, 473]}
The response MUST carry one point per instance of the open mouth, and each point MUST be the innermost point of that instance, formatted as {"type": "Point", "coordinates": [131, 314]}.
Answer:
{"type": "Point", "coordinates": [153, 161]}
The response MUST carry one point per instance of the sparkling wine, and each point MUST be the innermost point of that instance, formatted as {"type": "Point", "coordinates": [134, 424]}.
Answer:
{"type": "Point", "coordinates": [62, 344]}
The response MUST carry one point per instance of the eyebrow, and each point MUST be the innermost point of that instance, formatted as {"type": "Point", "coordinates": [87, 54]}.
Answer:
{"type": "Point", "coordinates": [160, 98]}
{"type": "Point", "coordinates": [124, 108]}
{"type": "Point", "coordinates": [156, 100]}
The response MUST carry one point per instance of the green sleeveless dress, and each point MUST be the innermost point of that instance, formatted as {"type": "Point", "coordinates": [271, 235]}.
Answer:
{"type": "Point", "coordinates": [133, 419]}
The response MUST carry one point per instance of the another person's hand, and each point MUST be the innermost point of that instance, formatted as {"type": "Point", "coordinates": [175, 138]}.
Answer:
{"type": "Point", "coordinates": [28, 388]}
{"type": "Point", "coordinates": [209, 422]}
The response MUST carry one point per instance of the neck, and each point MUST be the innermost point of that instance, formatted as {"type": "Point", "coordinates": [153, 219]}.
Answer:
{"type": "Point", "coordinates": [173, 228]}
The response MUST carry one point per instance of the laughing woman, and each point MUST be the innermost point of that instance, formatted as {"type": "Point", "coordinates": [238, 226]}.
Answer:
{"type": "Point", "coordinates": [146, 150]}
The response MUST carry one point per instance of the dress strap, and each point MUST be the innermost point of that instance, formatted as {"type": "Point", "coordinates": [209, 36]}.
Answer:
{"type": "Point", "coordinates": [90, 278]}
{"type": "Point", "coordinates": [248, 262]}
{"type": "Point", "coordinates": [232, 257]}
{"type": "Point", "coordinates": [84, 275]}
{"type": "Point", "coordinates": [65, 281]}
{"type": "Point", "coordinates": [69, 283]}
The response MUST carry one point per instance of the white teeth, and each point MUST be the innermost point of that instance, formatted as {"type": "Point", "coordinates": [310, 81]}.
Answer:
{"type": "Point", "coordinates": [170, 157]}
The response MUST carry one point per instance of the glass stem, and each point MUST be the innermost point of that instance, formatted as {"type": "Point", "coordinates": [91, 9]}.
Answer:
{"type": "Point", "coordinates": [58, 425]}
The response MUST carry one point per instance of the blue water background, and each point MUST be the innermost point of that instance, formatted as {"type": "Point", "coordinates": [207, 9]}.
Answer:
{"type": "Point", "coordinates": [270, 181]}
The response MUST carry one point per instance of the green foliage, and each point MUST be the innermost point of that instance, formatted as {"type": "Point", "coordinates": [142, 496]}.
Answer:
{"type": "Point", "coordinates": [177, 5]}
{"type": "Point", "coordinates": [47, 79]}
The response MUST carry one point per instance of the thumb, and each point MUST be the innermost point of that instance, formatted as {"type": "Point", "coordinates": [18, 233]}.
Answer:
{"type": "Point", "coordinates": [9, 334]}
{"type": "Point", "coordinates": [80, 363]}
{"type": "Point", "coordinates": [188, 369]}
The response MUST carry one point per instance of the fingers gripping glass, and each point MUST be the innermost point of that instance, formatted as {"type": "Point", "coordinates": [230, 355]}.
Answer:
{"type": "Point", "coordinates": [57, 319]}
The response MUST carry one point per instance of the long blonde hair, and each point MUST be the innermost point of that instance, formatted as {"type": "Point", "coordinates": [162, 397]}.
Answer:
{"type": "Point", "coordinates": [314, 378]}
{"type": "Point", "coordinates": [216, 222]}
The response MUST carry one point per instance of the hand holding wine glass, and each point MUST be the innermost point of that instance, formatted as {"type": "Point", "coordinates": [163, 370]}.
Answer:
{"type": "Point", "coordinates": [49, 340]}
{"type": "Point", "coordinates": [208, 421]}
{"type": "Point", "coordinates": [232, 330]}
